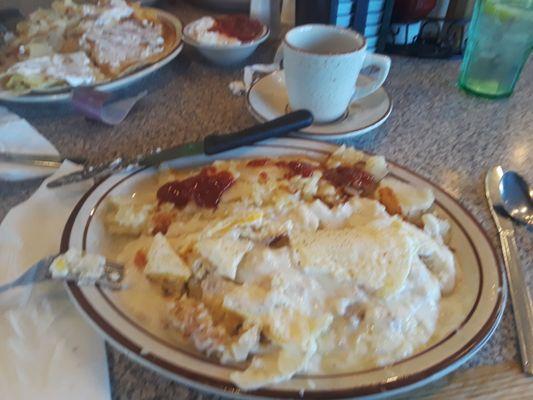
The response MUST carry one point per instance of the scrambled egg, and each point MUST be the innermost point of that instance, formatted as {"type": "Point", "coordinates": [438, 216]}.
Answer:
{"type": "Point", "coordinates": [376, 259]}
{"type": "Point", "coordinates": [292, 269]}
{"type": "Point", "coordinates": [127, 217]}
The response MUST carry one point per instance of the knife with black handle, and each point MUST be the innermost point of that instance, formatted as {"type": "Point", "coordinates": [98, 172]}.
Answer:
{"type": "Point", "coordinates": [210, 145]}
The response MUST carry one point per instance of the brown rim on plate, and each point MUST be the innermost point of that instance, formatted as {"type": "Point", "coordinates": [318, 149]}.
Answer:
{"type": "Point", "coordinates": [259, 117]}
{"type": "Point", "coordinates": [193, 378]}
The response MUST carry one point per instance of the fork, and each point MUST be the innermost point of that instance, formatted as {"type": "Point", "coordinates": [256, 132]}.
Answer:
{"type": "Point", "coordinates": [40, 271]}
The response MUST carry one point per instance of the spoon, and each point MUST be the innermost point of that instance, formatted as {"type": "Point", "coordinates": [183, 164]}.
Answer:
{"type": "Point", "coordinates": [516, 198]}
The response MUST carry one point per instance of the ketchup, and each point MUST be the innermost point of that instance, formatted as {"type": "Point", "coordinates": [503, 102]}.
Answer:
{"type": "Point", "coordinates": [238, 26]}
{"type": "Point", "coordinates": [294, 167]}
{"type": "Point", "coordinates": [258, 162]}
{"type": "Point", "coordinates": [297, 168]}
{"type": "Point", "coordinates": [349, 176]}
{"type": "Point", "coordinates": [140, 259]}
{"type": "Point", "coordinates": [205, 189]}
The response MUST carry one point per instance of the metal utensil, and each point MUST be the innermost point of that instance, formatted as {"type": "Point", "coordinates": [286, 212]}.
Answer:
{"type": "Point", "coordinates": [520, 296]}
{"type": "Point", "coordinates": [517, 198]}
{"type": "Point", "coordinates": [40, 271]}
{"type": "Point", "coordinates": [212, 144]}
{"type": "Point", "coordinates": [37, 160]}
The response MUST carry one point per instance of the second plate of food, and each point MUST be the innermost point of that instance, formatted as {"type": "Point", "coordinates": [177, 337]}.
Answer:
{"type": "Point", "coordinates": [108, 46]}
{"type": "Point", "coordinates": [286, 269]}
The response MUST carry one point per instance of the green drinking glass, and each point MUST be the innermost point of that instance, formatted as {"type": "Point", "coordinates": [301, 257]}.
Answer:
{"type": "Point", "coordinates": [499, 42]}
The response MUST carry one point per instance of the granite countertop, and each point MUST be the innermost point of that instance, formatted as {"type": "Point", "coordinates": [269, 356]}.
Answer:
{"type": "Point", "coordinates": [434, 129]}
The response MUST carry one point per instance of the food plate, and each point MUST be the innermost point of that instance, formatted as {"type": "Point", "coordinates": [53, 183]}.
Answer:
{"type": "Point", "coordinates": [480, 297]}
{"type": "Point", "coordinates": [63, 95]}
{"type": "Point", "coordinates": [267, 99]}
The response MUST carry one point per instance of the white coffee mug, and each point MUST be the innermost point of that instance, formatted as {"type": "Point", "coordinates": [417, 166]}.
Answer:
{"type": "Point", "coordinates": [322, 63]}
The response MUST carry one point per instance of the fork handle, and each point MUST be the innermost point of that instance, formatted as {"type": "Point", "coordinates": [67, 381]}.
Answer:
{"type": "Point", "coordinates": [7, 286]}
{"type": "Point", "coordinates": [521, 299]}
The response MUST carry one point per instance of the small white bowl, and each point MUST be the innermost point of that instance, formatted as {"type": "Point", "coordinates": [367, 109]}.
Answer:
{"type": "Point", "coordinates": [225, 54]}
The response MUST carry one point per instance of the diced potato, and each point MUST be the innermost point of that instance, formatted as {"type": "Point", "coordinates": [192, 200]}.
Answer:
{"type": "Point", "coordinates": [412, 200]}
{"type": "Point", "coordinates": [387, 197]}
{"type": "Point", "coordinates": [374, 165]}
{"type": "Point", "coordinates": [164, 265]}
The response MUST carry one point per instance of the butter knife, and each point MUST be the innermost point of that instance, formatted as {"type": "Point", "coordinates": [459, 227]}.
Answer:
{"type": "Point", "coordinates": [520, 296]}
{"type": "Point", "coordinates": [212, 144]}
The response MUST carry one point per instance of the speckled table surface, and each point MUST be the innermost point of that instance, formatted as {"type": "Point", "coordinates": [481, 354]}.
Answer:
{"type": "Point", "coordinates": [434, 129]}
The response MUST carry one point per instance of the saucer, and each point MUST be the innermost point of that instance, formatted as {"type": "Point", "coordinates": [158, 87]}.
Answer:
{"type": "Point", "coordinates": [267, 99]}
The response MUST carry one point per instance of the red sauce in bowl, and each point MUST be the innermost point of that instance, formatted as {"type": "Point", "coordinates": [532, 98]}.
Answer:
{"type": "Point", "coordinates": [238, 26]}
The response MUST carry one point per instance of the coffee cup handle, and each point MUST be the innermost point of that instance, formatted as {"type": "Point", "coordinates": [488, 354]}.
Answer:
{"type": "Point", "coordinates": [382, 63]}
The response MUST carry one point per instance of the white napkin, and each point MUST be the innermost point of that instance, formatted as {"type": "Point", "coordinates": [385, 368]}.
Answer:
{"type": "Point", "coordinates": [18, 136]}
{"type": "Point", "coordinates": [239, 88]}
{"type": "Point", "coordinates": [47, 350]}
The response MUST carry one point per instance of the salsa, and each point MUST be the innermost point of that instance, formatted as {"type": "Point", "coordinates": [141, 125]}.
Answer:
{"type": "Point", "coordinates": [353, 176]}
{"type": "Point", "coordinates": [205, 189]}
{"type": "Point", "coordinates": [297, 168]}
{"type": "Point", "coordinates": [238, 26]}
{"type": "Point", "coordinates": [258, 162]}
{"type": "Point", "coordinates": [294, 167]}
{"type": "Point", "coordinates": [343, 176]}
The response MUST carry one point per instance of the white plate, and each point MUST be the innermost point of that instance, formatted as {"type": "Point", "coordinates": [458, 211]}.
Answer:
{"type": "Point", "coordinates": [267, 99]}
{"type": "Point", "coordinates": [114, 84]}
{"type": "Point", "coordinates": [480, 293]}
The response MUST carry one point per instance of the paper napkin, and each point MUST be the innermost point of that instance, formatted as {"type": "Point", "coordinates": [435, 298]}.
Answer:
{"type": "Point", "coordinates": [18, 136]}
{"type": "Point", "coordinates": [239, 88]}
{"type": "Point", "coordinates": [47, 350]}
